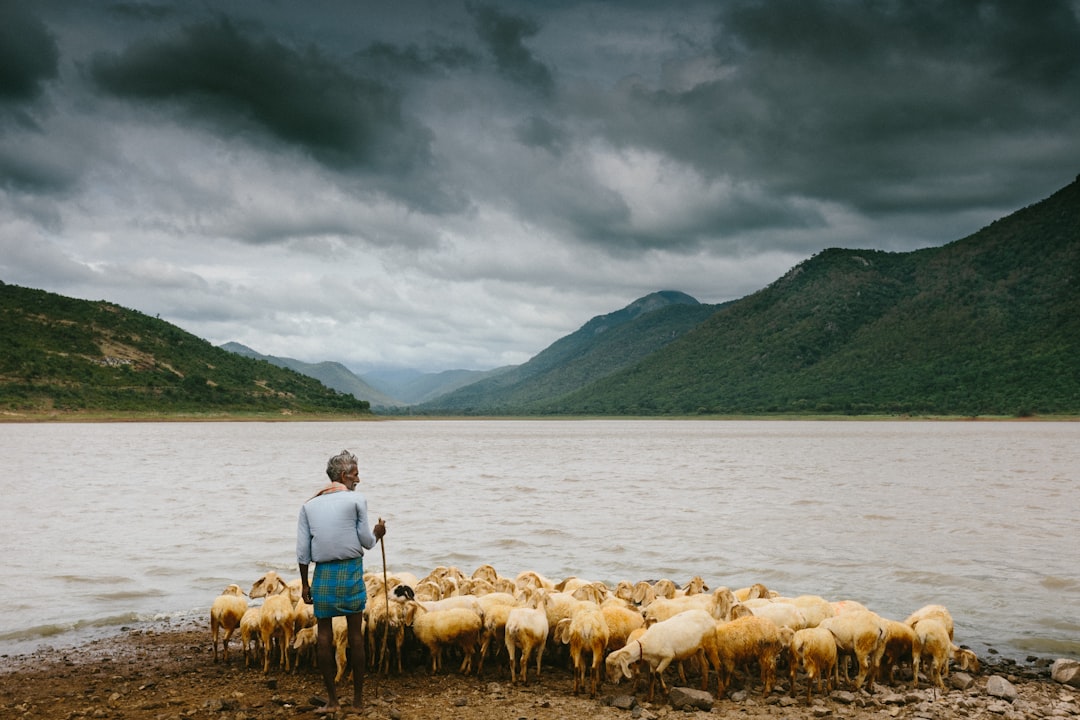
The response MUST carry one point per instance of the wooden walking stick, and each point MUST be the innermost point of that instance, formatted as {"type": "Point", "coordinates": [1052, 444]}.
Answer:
{"type": "Point", "coordinates": [383, 661]}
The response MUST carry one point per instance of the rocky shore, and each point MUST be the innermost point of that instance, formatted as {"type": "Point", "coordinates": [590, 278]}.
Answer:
{"type": "Point", "coordinates": [168, 673]}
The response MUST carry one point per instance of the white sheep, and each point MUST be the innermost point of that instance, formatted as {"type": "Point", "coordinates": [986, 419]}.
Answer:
{"type": "Point", "coordinates": [690, 634]}
{"type": "Point", "coordinates": [746, 640]}
{"type": "Point", "coordinates": [862, 634]}
{"type": "Point", "coordinates": [586, 632]}
{"type": "Point", "coordinates": [814, 650]}
{"type": "Point", "coordinates": [718, 603]}
{"type": "Point", "coordinates": [226, 612]}
{"type": "Point", "coordinates": [783, 613]}
{"type": "Point", "coordinates": [437, 629]}
{"type": "Point", "coordinates": [526, 631]}
{"type": "Point", "coordinates": [814, 608]}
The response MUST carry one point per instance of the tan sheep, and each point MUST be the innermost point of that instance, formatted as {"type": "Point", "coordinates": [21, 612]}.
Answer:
{"type": "Point", "coordinates": [437, 629]}
{"type": "Point", "coordinates": [899, 640]}
{"type": "Point", "coordinates": [860, 633]}
{"type": "Point", "coordinates": [748, 640]}
{"type": "Point", "coordinates": [249, 635]}
{"type": "Point", "coordinates": [226, 612]}
{"type": "Point", "coordinates": [276, 617]}
{"type": "Point", "coordinates": [586, 633]}
{"type": "Point", "coordinates": [931, 640]}
{"type": "Point", "coordinates": [814, 650]}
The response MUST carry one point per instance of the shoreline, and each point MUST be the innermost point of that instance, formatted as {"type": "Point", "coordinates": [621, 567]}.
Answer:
{"type": "Point", "coordinates": [165, 671]}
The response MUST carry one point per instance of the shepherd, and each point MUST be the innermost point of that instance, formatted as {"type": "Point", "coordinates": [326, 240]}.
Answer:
{"type": "Point", "coordinates": [333, 532]}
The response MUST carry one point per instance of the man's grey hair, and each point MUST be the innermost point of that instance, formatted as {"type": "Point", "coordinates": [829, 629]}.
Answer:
{"type": "Point", "coordinates": [340, 464]}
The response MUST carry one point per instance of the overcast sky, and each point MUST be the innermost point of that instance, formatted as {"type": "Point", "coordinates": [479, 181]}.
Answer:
{"type": "Point", "coordinates": [457, 185]}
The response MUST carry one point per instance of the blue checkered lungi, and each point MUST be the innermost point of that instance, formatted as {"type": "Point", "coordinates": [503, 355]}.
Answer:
{"type": "Point", "coordinates": [338, 588]}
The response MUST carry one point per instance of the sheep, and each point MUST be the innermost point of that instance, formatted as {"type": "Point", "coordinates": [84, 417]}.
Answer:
{"type": "Point", "coordinates": [532, 580]}
{"type": "Point", "coordinates": [249, 634]}
{"type": "Point", "coordinates": [276, 616]}
{"type": "Point", "coordinates": [932, 640]}
{"type": "Point", "coordinates": [718, 603]}
{"type": "Point", "coordinates": [303, 613]}
{"type": "Point", "coordinates": [746, 640]}
{"type": "Point", "coordinates": [585, 632]}
{"type": "Point", "coordinates": [225, 614]}
{"type": "Point", "coordinates": [304, 646]}
{"type": "Point", "coordinates": [965, 659]}
{"type": "Point", "coordinates": [861, 633]}
{"type": "Point", "coordinates": [757, 590]}
{"type": "Point", "coordinates": [814, 649]}
{"type": "Point", "coordinates": [814, 608]}
{"type": "Point", "coordinates": [690, 634]}
{"type": "Point", "coordinates": [494, 629]}
{"type": "Point", "coordinates": [932, 611]}
{"type": "Point", "coordinates": [526, 630]}
{"type": "Point", "coordinates": [899, 641]}
{"type": "Point", "coordinates": [494, 607]}
{"type": "Point", "coordinates": [621, 622]}
{"type": "Point", "coordinates": [436, 629]}
{"type": "Point", "coordinates": [784, 614]}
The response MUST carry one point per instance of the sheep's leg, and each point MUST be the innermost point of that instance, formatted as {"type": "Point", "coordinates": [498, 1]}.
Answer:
{"type": "Point", "coordinates": [540, 655]}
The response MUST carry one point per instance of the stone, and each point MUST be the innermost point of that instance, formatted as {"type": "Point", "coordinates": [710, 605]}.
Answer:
{"type": "Point", "coordinates": [1066, 671]}
{"type": "Point", "coordinates": [623, 702]}
{"type": "Point", "coordinates": [682, 698]}
{"type": "Point", "coordinates": [961, 680]}
{"type": "Point", "coordinates": [999, 687]}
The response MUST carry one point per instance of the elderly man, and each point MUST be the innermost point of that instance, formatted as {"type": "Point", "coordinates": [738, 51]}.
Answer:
{"type": "Point", "coordinates": [333, 532]}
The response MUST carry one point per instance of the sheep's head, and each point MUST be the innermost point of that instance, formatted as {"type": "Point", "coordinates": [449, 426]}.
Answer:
{"type": "Point", "coordinates": [402, 593]}
{"type": "Point", "coordinates": [233, 589]}
{"type": "Point", "coordinates": [269, 584]}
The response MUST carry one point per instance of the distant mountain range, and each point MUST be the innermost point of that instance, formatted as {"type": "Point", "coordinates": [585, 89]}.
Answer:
{"type": "Point", "coordinates": [986, 325]}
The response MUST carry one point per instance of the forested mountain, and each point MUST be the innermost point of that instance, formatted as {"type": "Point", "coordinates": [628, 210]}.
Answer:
{"type": "Point", "coordinates": [989, 324]}
{"type": "Point", "coordinates": [61, 354]}
{"type": "Point", "coordinates": [602, 346]}
{"type": "Point", "coordinates": [331, 374]}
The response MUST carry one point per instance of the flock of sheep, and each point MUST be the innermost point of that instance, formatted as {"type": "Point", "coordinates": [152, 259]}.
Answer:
{"type": "Point", "coordinates": [631, 631]}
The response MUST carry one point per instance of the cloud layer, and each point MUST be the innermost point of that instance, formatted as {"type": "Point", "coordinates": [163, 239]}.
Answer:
{"type": "Point", "coordinates": [440, 185]}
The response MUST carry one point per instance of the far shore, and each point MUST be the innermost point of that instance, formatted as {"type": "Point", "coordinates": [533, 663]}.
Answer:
{"type": "Point", "coordinates": [101, 416]}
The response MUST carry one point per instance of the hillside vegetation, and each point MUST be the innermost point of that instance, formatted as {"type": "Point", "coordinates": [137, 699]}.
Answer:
{"type": "Point", "coordinates": [66, 355]}
{"type": "Point", "coordinates": [986, 325]}
{"type": "Point", "coordinates": [601, 347]}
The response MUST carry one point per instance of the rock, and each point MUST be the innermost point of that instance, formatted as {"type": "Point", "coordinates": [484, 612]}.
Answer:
{"type": "Point", "coordinates": [1066, 671]}
{"type": "Point", "coordinates": [999, 687]}
{"type": "Point", "coordinates": [843, 696]}
{"type": "Point", "coordinates": [682, 698]}
{"type": "Point", "coordinates": [961, 680]}
{"type": "Point", "coordinates": [623, 702]}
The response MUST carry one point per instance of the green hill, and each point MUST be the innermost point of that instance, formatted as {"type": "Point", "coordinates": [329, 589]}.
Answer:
{"type": "Point", "coordinates": [66, 355]}
{"type": "Point", "coordinates": [986, 325]}
{"type": "Point", "coordinates": [602, 346]}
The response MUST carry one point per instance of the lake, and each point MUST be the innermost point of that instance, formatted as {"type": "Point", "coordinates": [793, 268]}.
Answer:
{"type": "Point", "coordinates": [108, 525]}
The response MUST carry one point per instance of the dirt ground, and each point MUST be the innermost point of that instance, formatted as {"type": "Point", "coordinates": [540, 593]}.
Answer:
{"type": "Point", "coordinates": [168, 673]}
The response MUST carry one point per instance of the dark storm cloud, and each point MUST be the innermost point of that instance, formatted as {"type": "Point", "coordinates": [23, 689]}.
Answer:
{"type": "Point", "coordinates": [859, 102]}
{"type": "Point", "coordinates": [504, 36]}
{"type": "Point", "coordinates": [303, 98]}
{"type": "Point", "coordinates": [29, 56]}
